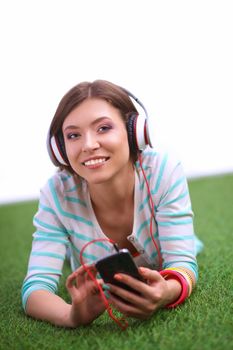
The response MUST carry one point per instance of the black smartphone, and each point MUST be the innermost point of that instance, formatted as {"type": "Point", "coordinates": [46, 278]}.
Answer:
{"type": "Point", "coordinates": [120, 262]}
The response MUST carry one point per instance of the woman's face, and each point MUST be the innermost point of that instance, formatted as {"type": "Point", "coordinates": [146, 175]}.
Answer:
{"type": "Point", "coordinates": [96, 141]}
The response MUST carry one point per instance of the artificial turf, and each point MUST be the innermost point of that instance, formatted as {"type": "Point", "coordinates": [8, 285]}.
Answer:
{"type": "Point", "coordinates": [205, 321]}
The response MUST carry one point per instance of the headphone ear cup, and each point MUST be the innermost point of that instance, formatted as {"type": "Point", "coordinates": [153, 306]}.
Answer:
{"type": "Point", "coordinates": [56, 150]}
{"type": "Point", "coordinates": [137, 133]}
{"type": "Point", "coordinates": [62, 148]}
{"type": "Point", "coordinates": [131, 127]}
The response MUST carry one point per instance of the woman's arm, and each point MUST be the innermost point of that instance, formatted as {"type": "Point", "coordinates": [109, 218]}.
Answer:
{"type": "Point", "coordinates": [86, 302]}
{"type": "Point", "coordinates": [46, 306]}
{"type": "Point", "coordinates": [174, 218]}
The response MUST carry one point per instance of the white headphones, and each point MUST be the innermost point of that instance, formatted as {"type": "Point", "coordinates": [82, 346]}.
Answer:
{"type": "Point", "coordinates": [137, 128]}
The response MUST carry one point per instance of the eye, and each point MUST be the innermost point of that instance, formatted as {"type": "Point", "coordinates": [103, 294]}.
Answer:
{"type": "Point", "coordinates": [72, 136]}
{"type": "Point", "coordinates": [104, 128]}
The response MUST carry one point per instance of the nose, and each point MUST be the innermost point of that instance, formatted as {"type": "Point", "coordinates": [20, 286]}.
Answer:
{"type": "Point", "coordinates": [90, 143]}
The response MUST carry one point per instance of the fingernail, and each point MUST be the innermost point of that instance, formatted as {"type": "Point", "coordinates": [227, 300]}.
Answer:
{"type": "Point", "coordinates": [106, 294]}
{"type": "Point", "coordinates": [118, 277]}
{"type": "Point", "coordinates": [142, 269]}
{"type": "Point", "coordinates": [105, 287]}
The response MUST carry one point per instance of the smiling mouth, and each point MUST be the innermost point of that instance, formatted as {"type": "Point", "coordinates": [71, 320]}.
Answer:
{"type": "Point", "coordinates": [95, 161]}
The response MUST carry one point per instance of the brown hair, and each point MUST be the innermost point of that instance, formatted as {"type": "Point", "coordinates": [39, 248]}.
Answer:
{"type": "Point", "coordinates": [113, 94]}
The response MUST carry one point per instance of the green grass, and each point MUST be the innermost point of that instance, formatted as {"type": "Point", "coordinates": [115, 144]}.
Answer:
{"type": "Point", "coordinates": [205, 321]}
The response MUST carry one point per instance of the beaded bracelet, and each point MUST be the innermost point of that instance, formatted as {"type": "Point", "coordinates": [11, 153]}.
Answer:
{"type": "Point", "coordinates": [186, 275]}
{"type": "Point", "coordinates": [189, 274]}
{"type": "Point", "coordinates": [168, 274]}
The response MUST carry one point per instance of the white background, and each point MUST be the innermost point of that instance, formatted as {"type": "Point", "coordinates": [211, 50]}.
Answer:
{"type": "Point", "coordinates": [176, 56]}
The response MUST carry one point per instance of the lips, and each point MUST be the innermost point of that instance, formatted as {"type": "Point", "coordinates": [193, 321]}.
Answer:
{"type": "Point", "coordinates": [95, 161]}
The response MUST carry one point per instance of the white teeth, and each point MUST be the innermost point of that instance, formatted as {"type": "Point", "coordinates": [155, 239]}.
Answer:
{"type": "Point", "coordinates": [95, 161]}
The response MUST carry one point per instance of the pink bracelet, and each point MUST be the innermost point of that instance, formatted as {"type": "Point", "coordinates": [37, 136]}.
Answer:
{"type": "Point", "coordinates": [168, 274]}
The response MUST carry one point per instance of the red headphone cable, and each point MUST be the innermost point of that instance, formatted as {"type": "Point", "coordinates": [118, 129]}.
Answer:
{"type": "Point", "coordinates": [122, 323]}
{"type": "Point", "coordinates": [160, 260]}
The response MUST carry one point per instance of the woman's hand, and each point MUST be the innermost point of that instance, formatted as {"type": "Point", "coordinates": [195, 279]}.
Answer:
{"type": "Point", "coordinates": [87, 304]}
{"type": "Point", "coordinates": [154, 294]}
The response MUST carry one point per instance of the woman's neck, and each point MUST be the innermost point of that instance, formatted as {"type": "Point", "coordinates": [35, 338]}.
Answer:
{"type": "Point", "coordinates": [117, 192]}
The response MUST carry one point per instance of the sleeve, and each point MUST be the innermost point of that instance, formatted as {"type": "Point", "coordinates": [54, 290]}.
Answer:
{"type": "Point", "coordinates": [174, 218]}
{"type": "Point", "coordinates": [50, 241]}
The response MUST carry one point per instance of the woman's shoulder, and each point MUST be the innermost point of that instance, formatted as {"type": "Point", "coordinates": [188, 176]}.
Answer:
{"type": "Point", "coordinates": [161, 167]}
{"type": "Point", "coordinates": [62, 183]}
{"type": "Point", "coordinates": [156, 158]}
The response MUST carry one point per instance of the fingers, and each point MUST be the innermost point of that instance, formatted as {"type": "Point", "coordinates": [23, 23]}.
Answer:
{"type": "Point", "coordinates": [131, 303]}
{"type": "Point", "coordinates": [131, 309]}
{"type": "Point", "coordinates": [138, 286]}
{"type": "Point", "coordinates": [71, 279]}
{"type": "Point", "coordinates": [149, 275]}
{"type": "Point", "coordinates": [125, 295]}
{"type": "Point", "coordinates": [79, 276]}
{"type": "Point", "coordinates": [83, 281]}
{"type": "Point", "coordinates": [141, 305]}
{"type": "Point", "coordinates": [152, 291]}
{"type": "Point", "coordinates": [90, 272]}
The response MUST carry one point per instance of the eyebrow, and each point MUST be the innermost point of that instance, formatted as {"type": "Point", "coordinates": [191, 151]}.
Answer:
{"type": "Point", "coordinates": [96, 121]}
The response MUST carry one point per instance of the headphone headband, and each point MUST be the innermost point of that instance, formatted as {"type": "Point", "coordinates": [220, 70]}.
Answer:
{"type": "Point", "coordinates": [136, 100]}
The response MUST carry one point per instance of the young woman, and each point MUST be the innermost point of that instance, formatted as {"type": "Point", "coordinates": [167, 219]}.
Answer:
{"type": "Point", "coordinates": [111, 186]}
